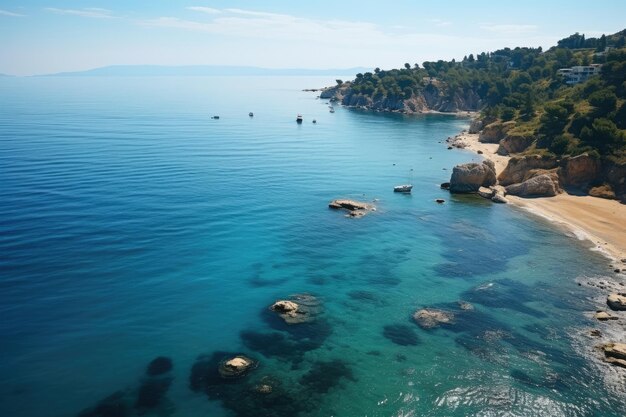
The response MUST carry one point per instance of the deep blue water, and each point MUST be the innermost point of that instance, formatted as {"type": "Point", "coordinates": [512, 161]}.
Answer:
{"type": "Point", "coordinates": [134, 226]}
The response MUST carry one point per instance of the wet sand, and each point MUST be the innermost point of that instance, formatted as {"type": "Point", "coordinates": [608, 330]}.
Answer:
{"type": "Point", "coordinates": [601, 221]}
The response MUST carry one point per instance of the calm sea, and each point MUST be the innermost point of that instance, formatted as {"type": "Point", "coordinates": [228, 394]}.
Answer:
{"type": "Point", "coordinates": [132, 226]}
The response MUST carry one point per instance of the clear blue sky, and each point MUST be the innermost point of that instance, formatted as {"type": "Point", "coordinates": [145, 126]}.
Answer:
{"type": "Point", "coordinates": [65, 35]}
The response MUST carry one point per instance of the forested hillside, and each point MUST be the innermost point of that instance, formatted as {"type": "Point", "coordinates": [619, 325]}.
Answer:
{"type": "Point", "coordinates": [521, 88]}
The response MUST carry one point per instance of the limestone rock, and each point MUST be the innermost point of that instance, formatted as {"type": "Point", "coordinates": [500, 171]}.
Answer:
{"type": "Point", "coordinates": [349, 205]}
{"type": "Point", "coordinates": [579, 170]}
{"type": "Point", "coordinates": [604, 316]}
{"type": "Point", "coordinates": [499, 198]}
{"type": "Point", "coordinates": [301, 308]}
{"type": "Point", "coordinates": [428, 318]}
{"type": "Point", "coordinates": [541, 184]}
{"type": "Point", "coordinates": [468, 178]}
{"type": "Point", "coordinates": [495, 131]}
{"type": "Point", "coordinates": [514, 144]}
{"type": "Point", "coordinates": [284, 307]}
{"type": "Point", "coordinates": [602, 191]}
{"type": "Point", "coordinates": [616, 301]}
{"type": "Point", "coordinates": [485, 192]}
{"type": "Point", "coordinates": [475, 126]}
{"type": "Point", "coordinates": [355, 208]}
{"type": "Point", "coordinates": [237, 366]}
{"type": "Point", "coordinates": [518, 168]}
{"type": "Point", "coordinates": [615, 353]}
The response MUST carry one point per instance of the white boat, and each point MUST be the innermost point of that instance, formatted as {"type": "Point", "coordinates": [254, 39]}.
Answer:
{"type": "Point", "coordinates": [404, 188]}
{"type": "Point", "coordinates": [299, 118]}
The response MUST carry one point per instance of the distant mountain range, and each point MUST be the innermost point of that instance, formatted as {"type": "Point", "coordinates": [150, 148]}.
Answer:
{"type": "Point", "coordinates": [200, 70]}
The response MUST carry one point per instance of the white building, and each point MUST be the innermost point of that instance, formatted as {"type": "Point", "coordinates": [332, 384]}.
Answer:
{"type": "Point", "coordinates": [579, 73]}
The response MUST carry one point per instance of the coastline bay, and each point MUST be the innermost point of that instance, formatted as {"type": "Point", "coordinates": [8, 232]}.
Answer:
{"type": "Point", "coordinates": [134, 226]}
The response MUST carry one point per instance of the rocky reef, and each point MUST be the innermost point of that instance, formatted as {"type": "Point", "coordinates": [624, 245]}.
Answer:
{"type": "Point", "coordinates": [354, 208]}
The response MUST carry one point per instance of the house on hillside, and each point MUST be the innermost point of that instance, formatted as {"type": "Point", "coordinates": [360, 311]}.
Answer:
{"type": "Point", "coordinates": [579, 73]}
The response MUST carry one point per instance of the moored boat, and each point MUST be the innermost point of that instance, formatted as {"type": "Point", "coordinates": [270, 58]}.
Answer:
{"type": "Point", "coordinates": [299, 118]}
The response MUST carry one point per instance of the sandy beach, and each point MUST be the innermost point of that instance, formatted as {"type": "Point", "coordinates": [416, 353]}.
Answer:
{"type": "Point", "coordinates": [603, 222]}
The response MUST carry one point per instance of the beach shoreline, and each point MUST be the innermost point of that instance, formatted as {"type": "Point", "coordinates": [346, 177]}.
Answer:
{"type": "Point", "coordinates": [600, 221]}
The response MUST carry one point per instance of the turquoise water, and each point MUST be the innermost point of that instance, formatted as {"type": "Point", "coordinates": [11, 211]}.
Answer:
{"type": "Point", "coordinates": [134, 226]}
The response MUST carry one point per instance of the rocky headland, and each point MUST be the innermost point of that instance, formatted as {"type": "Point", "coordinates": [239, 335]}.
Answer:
{"type": "Point", "coordinates": [432, 98]}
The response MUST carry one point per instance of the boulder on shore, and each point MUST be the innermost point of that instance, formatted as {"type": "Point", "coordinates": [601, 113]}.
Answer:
{"type": "Point", "coordinates": [468, 178]}
{"type": "Point", "coordinates": [617, 301]}
{"type": "Point", "coordinates": [428, 318]}
{"type": "Point", "coordinates": [541, 183]}
{"type": "Point", "coordinates": [485, 192]}
{"type": "Point", "coordinates": [494, 132]}
{"type": "Point", "coordinates": [615, 353]}
{"type": "Point", "coordinates": [603, 191]}
{"type": "Point", "coordinates": [475, 126]}
{"type": "Point", "coordinates": [514, 144]}
{"type": "Point", "coordinates": [518, 168]}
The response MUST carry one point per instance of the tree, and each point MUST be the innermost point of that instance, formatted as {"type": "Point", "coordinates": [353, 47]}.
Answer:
{"type": "Point", "coordinates": [339, 82]}
{"type": "Point", "coordinates": [376, 70]}
{"type": "Point", "coordinates": [407, 65]}
{"type": "Point", "coordinates": [554, 119]}
{"type": "Point", "coordinates": [604, 102]}
{"type": "Point", "coordinates": [601, 44]}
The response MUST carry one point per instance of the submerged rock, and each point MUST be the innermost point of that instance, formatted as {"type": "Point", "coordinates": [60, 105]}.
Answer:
{"type": "Point", "coordinates": [236, 367]}
{"type": "Point", "coordinates": [159, 366]}
{"type": "Point", "coordinates": [615, 353]}
{"type": "Point", "coordinates": [464, 305]}
{"type": "Point", "coordinates": [616, 301]}
{"type": "Point", "coordinates": [429, 318]}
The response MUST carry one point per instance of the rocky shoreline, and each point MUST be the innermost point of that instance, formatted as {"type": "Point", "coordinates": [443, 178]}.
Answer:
{"type": "Point", "coordinates": [601, 221]}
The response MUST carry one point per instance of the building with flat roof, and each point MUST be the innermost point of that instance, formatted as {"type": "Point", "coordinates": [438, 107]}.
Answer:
{"type": "Point", "coordinates": [579, 73]}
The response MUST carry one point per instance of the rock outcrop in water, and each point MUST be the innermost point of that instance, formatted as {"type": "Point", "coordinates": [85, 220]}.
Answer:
{"type": "Point", "coordinates": [468, 178]}
{"type": "Point", "coordinates": [236, 366]}
{"type": "Point", "coordinates": [615, 353]}
{"type": "Point", "coordinates": [429, 318]}
{"type": "Point", "coordinates": [617, 301]}
{"type": "Point", "coordinates": [354, 208]}
{"type": "Point", "coordinates": [300, 308]}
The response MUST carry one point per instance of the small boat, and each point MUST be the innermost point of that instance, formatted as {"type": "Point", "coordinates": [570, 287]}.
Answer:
{"type": "Point", "coordinates": [404, 188]}
{"type": "Point", "coordinates": [314, 121]}
{"type": "Point", "coordinates": [332, 110]}
{"type": "Point", "coordinates": [215, 117]}
{"type": "Point", "coordinates": [251, 114]}
{"type": "Point", "coordinates": [299, 119]}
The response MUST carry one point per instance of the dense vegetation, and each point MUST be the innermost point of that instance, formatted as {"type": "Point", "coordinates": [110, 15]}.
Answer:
{"type": "Point", "coordinates": [522, 85]}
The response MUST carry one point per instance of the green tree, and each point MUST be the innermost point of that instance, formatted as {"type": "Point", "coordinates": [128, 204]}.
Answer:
{"type": "Point", "coordinates": [604, 102]}
{"type": "Point", "coordinates": [554, 119]}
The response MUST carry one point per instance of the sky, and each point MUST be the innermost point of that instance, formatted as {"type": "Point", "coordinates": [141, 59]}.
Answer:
{"type": "Point", "coordinates": [48, 36]}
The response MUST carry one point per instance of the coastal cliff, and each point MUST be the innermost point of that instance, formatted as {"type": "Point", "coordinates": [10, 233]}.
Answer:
{"type": "Point", "coordinates": [435, 96]}
{"type": "Point", "coordinates": [528, 108]}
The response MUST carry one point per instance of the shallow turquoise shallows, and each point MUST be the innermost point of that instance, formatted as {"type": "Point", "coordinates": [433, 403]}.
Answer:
{"type": "Point", "coordinates": [133, 226]}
